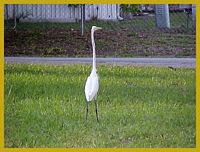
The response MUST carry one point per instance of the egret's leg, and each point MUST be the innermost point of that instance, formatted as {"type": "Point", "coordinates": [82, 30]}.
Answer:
{"type": "Point", "coordinates": [95, 102]}
{"type": "Point", "coordinates": [86, 110]}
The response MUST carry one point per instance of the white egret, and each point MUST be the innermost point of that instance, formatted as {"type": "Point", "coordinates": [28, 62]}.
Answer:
{"type": "Point", "coordinates": [92, 83]}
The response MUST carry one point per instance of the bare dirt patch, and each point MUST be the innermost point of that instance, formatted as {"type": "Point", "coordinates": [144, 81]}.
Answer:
{"type": "Point", "coordinates": [121, 43]}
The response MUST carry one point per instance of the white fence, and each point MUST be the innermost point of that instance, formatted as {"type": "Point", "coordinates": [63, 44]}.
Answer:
{"type": "Point", "coordinates": [61, 12]}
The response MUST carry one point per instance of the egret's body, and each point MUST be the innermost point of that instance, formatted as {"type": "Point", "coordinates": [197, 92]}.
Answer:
{"type": "Point", "coordinates": [92, 83]}
{"type": "Point", "coordinates": [91, 86]}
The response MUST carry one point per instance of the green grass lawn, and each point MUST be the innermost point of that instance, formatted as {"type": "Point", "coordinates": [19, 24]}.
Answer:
{"type": "Point", "coordinates": [139, 23]}
{"type": "Point", "coordinates": [177, 20]}
{"type": "Point", "coordinates": [138, 107]}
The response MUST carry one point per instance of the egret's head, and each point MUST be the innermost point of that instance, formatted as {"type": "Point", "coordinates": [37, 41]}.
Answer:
{"type": "Point", "coordinates": [95, 28]}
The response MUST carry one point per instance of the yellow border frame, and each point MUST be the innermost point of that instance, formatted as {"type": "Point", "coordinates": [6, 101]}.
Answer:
{"type": "Point", "coordinates": [197, 2]}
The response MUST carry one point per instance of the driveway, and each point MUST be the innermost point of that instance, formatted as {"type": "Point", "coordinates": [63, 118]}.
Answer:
{"type": "Point", "coordinates": [157, 62]}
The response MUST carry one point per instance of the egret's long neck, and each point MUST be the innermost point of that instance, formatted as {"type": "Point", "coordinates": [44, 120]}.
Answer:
{"type": "Point", "coordinates": [93, 48]}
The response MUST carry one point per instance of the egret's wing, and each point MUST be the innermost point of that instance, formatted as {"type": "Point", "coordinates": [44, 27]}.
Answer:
{"type": "Point", "coordinates": [88, 88]}
{"type": "Point", "coordinates": [95, 86]}
{"type": "Point", "coordinates": [91, 87]}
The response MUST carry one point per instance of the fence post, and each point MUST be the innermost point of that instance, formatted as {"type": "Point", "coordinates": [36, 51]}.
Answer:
{"type": "Point", "coordinates": [162, 16]}
{"type": "Point", "coordinates": [82, 19]}
{"type": "Point", "coordinates": [14, 16]}
{"type": "Point", "coordinates": [6, 11]}
{"type": "Point", "coordinates": [193, 16]}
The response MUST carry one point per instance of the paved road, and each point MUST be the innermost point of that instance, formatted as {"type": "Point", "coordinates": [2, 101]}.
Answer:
{"type": "Point", "coordinates": [160, 62]}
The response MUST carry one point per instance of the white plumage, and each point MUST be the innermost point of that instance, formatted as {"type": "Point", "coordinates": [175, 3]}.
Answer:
{"type": "Point", "coordinates": [92, 83]}
{"type": "Point", "coordinates": [92, 86]}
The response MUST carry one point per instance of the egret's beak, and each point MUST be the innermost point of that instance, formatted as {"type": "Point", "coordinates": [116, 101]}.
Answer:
{"type": "Point", "coordinates": [98, 28]}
